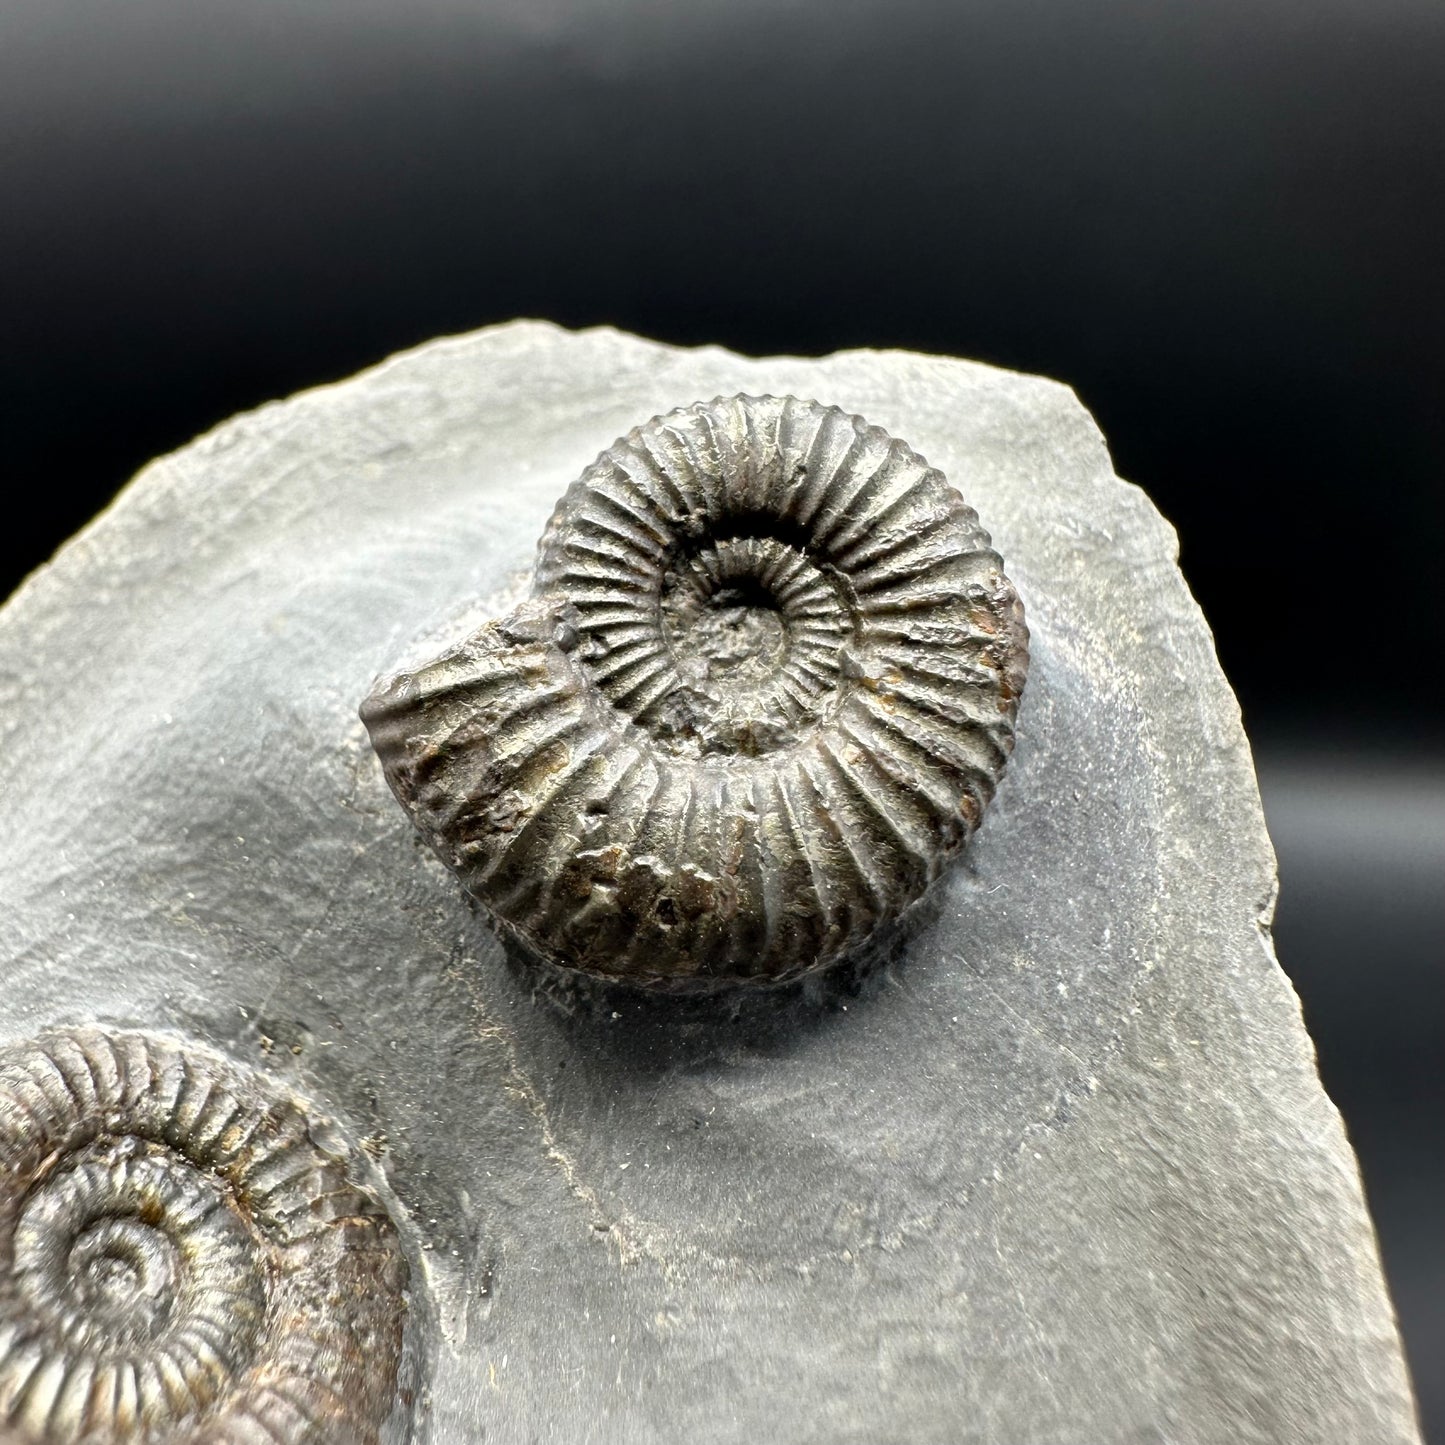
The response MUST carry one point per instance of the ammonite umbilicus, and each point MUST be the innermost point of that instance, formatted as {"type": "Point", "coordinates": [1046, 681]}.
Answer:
{"type": "Point", "coordinates": [762, 690]}
{"type": "Point", "coordinates": [185, 1255]}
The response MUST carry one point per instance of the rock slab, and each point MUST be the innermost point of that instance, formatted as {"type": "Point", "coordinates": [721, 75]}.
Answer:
{"type": "Point", "coordinates": [1062, 1171]}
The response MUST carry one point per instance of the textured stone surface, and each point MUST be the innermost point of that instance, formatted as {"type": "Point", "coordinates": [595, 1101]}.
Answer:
{"type": "Point", "coordinates": [1063, 1172]}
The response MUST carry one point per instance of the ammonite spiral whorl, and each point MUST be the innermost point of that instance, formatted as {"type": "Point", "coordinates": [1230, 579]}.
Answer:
{"type": "Point", "coordinates": [185, 1255]}
{"type": "Point", "coordinates": [763, 688]}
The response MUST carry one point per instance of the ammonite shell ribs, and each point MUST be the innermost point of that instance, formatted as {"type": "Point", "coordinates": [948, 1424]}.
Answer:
{"type": "Point", "coordinates": [184, 1255]}
{"type": "Point", "coordinates": [762, 690]}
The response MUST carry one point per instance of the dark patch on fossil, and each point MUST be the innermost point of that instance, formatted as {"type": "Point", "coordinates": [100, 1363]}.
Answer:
{"type": "Point", "coordinates": [762, 691]}
{"type": "Point", "coordinates": [185, 1254]}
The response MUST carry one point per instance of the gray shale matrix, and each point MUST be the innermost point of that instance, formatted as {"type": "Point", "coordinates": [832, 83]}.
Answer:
{"type": "Point", "coordinates": [1062, 1171]}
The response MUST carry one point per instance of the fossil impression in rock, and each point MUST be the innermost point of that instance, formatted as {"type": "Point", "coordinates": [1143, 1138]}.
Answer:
{"type": "Point", "coordinates": [761, 692]}
{"type": "Point", "coordinates": [185, 1255]}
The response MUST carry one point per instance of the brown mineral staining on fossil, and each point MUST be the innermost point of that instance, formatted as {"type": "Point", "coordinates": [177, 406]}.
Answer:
{"type": "Point", "coordinates": [761, 692]}
{"type": "Point", "coordinates": [185, 1255]}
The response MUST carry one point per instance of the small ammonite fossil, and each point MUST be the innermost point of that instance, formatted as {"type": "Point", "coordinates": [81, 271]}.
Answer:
{"type": "Point", "coordinates": [762, 690]}
{"type": "Point", "coordinates": [185, 1255]}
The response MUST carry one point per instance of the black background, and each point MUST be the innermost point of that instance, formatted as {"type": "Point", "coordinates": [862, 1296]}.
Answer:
{"type": "Point", "coordinates": [1220, 220]}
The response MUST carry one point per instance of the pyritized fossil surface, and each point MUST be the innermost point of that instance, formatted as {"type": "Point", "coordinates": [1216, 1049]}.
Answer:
{"type": "Point", "coordinates": [184, 1255]}
{"type": "Point", "coordinates": [763, 689]}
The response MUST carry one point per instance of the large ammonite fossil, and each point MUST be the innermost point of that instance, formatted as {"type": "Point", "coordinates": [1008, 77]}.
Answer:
{"type": "Point", "coordinates": [185, 1255]}
{"type": "Point", "coordinates": [763, 688]}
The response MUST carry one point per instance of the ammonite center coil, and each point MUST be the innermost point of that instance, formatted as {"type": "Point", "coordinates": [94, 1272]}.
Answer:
{"type": "Point", "coordinates": [185, 1256]}
{"type": "Point", "coordinates": [762, 690]}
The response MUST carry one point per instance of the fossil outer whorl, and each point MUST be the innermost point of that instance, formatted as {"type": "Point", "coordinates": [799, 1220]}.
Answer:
{"type": "Point", "coordinates": [184, 1255]}
{"type": "Point", "coordinates": [763, 688]}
